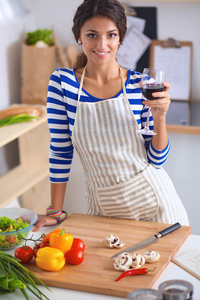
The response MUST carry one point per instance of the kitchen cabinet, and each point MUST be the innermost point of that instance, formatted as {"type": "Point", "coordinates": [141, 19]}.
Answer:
{"type": "Point", "coordinates": [30, 178]}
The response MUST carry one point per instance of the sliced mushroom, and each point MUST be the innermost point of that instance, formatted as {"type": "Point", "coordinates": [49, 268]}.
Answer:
{"type": "Point", "coordinates": [123, 262]}
{"type": "Point", "coordinates": [126, 261]}
{"type": "Point", "coordinates": [119, 245]}
{"type": "Point", "coordinates": [151, 256]}
{"type": "Point", "coordinates": [112, 241]}
{"type": "Point", "coordinates": [137, 260]}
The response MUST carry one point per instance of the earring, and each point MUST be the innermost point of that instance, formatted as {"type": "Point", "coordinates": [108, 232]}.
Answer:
{"type": "Point", "coordinates": [79, 42]}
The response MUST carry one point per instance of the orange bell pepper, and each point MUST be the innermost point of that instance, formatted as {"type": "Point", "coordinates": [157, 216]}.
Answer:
{"type": "Point", "coordinates": [50, 259]}
{"type": "Point", "coordinates": [62, 241]}
{"type": "Point", "coordinates": [47, 236]}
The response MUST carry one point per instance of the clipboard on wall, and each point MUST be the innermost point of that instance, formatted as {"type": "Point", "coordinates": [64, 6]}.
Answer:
{"type": "Point", "coordinates": [175, 58]}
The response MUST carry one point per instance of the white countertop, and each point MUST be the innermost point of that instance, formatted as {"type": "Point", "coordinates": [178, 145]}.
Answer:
{"type": "Point", "coordinates": [172, 271]}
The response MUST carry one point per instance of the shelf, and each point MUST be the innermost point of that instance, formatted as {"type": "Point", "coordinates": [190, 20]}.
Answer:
{"type": "Point", "coordinates": [19, 180]}
{"type": "Point", "coordinates": [12, 132]}
{"type": "Point", "coordinates": [183, 129]}
{"type": "Point", "coordinates": [30, 179]}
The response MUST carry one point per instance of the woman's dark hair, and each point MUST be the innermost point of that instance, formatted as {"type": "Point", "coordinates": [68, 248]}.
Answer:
{"type": "Point", "coordinates": [111, 9]}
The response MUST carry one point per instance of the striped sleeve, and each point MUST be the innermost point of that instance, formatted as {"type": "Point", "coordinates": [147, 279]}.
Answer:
{"type": "Point", "coordinates": [61, 148]}
{"type": "Point", "coordinates": [157, 157]}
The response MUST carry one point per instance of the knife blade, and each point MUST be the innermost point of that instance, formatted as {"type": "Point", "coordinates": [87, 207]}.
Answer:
{"type": "Point", "coordinates": [150, 240]}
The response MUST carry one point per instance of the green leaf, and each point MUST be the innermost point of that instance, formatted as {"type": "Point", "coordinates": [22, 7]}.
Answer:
{"type": "Point", "coordinates": [4, 282]}
{"type": "Point", "coordinates": [39, 35]}
{"type": "Point", "coordinates": [14, 120]}
{"type": "Point", "coordinates": [14, 275]}
{"type": "Point", "coordinates": [16, 284]}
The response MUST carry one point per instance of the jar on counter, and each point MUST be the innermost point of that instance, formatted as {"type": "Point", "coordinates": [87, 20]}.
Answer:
{"type": "Point", "coordinates": [144, 294]}
{"type": "Point", "coordinates": [176, 290]}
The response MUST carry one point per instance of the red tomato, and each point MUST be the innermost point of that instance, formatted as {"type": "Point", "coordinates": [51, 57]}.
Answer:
{"type": "Point", "coordinates": [24, 253]}
{"type": "Point", "coordinates": [38, 246]}
{"type": "Point", "coordinates": [74, 256]}
{"type": "Point", "coordinates": [12, 239]}
{"type": "Point", "coordinates": [79, 244]}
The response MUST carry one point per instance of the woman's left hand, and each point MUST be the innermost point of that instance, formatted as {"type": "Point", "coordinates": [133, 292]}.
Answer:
{"type": "Point", "coordinates": [159, 107]}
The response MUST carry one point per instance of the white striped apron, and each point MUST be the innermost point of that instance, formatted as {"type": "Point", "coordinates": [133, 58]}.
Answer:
{"type": "Point", "coordinates": [120, 182]}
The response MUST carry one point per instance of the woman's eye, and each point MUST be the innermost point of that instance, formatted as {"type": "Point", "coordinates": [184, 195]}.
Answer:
{"type": "Point", "coordinates": [112, 35]}
{"type": "Point", "coordinates": [91, 35]}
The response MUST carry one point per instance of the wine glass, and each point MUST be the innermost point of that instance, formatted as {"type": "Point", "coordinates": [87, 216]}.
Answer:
{"type": "Point", "coordinates": [151, 81]}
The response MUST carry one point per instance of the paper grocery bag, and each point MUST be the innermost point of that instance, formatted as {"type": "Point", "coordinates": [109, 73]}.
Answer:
{"type": "Point", "coordinates": [37, 65]}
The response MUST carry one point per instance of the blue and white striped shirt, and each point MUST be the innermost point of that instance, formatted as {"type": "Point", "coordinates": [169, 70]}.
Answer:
{"type": "Point", "coordinates": [61, 111]}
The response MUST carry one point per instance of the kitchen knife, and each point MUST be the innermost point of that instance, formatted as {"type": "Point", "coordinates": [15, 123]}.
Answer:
{"type": "Point", "coordinates": [150, 240]}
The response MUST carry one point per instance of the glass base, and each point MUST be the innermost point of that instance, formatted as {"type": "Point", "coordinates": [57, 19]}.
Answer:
{"type": "Point", "coordinates": [146, 131]}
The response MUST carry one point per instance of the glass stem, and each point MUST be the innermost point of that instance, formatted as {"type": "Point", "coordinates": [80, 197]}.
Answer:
{"type": "Point", "coordinates": [147, 121]}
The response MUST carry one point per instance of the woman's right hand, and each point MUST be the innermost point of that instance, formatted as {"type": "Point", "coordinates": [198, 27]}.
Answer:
{"type": "Point", "coordinates": [44, 220]}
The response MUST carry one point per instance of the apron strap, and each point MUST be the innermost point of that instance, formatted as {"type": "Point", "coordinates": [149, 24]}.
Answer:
{"type": "Point", "coordinates": [81, 84]}
{"type": "Point", "coordinates": [127, 101]}
{"type": "Point", "coordinates": [79, 95]}
{"type": "Point", "coordinates": [122, 78]}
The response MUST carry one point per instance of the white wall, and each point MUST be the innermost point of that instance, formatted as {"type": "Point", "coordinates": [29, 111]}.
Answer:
{"type": "Point", "coordinates": [183, 167]}
{"type": "Point", "coordinates": [179, 20]}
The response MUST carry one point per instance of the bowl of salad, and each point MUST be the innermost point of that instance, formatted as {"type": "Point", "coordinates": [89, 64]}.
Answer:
{"type": "Point", "coordinates": [15, 224]}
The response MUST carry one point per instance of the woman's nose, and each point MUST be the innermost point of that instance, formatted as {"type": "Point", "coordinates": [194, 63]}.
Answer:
{"type": "Point", "coordinates": [101, 42]}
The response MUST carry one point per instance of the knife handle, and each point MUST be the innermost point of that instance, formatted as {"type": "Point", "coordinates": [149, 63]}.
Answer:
{"type": "Point", "coordinates": [168, 230]}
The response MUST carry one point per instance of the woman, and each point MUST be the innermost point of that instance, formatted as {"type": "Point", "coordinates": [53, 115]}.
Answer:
{"type": "Point", "coordinates": [97, 108]}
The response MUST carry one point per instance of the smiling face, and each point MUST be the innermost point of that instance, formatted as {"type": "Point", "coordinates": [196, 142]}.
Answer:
{"type": "Point", "coordinates": [100, 40]}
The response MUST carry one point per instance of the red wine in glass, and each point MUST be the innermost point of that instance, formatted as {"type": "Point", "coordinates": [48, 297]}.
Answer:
{"type": "Point", "coordinates": [151, 81]}
{"type": "Point", "coordinates": [149, 88]}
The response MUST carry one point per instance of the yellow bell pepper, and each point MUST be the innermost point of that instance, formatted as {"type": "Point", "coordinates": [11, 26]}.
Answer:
{"type": "Point", "coordinates": [50, 259]}
{"type": "Point", "coordinates": [62, 241]}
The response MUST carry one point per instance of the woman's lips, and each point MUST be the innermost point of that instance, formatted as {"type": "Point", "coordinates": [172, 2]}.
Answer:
{"type": "Point", "coordinates": [100, 53]}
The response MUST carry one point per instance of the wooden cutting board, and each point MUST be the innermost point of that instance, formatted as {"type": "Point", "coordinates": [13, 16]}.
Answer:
{"type": "Point", "coordinates": [96, 274]}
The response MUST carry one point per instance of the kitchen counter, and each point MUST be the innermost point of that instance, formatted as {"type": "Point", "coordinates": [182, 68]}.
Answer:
{"type": "Point", "coordinates": [172, 271]}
